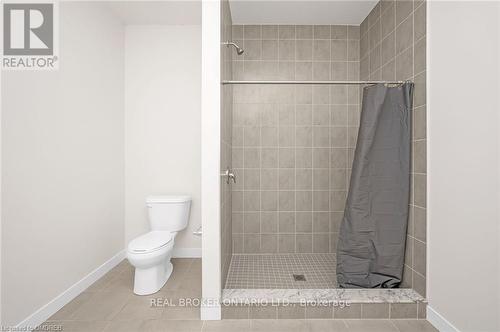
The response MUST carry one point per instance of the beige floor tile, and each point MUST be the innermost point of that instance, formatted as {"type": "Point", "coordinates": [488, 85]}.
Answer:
{"type": "Point", "coordinates": [66, 312]}
{"type": "Point", "coordinates": [103, 282]}
{"type": "Point", "coordinates": [235, 312]}
{"type": "Point", "coordinates": [124, 266]}
{"type": "Point", "coordinates": [176, 279]}
{"type": "Point", "coordinates": [326, 325]}
{"type": "Point", "coordinates": [182, 263]}
{"type": "Point", "coordinates": [174, 295]}
{"type": "Point", "coordinates": [182, 313]}
{"type": "Point", "coordinates": [369, 325]}
{"type": "Point", "coordinates": [73, 326]}
{"type": "Point", "coordinates": [195, 268]}
{"type": "Point", "coordinates": [278, 325]}
{"type": "Point", "coordinates": [235, 325]}
{"type": "Point", "coordinates": [139, 308]}
{"type": "Point", "coordinates": [164, 325]}
{"type": "Point", "coordinates": [123, 283]}
{"type": "Point", "coordinates": [190, 282]}
{"type": "Point", "coordinates": [132, 326]}
{"type": "Point", "coordinates": [414, 325]}
{"type": "Point", "coordinates": [102, 306]}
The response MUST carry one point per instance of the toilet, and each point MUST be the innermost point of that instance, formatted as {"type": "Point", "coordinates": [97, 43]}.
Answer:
{"type": "Point", "coordinates": [150, 253]}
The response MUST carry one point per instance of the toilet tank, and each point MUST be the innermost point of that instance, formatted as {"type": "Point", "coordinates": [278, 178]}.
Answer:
{"type": "Point", "coordinates": [168, 213]}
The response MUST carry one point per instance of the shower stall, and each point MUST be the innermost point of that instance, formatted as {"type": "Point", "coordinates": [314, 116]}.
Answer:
{"type": "Point", "coordinates": [292, 97]}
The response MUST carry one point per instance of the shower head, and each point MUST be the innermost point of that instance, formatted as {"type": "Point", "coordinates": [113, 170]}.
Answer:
{"type": "Point", "coordinates": [239, 50]}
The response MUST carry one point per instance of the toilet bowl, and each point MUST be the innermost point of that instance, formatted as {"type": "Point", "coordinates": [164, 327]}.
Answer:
{"type": "Point", "coordinates": [151, 252]}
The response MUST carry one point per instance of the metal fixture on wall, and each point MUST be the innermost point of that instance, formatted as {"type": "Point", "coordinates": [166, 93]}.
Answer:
{"type": "Point", "coordinates": [229, 176]}
{"type": "Point", "coordinates": [239, 50]}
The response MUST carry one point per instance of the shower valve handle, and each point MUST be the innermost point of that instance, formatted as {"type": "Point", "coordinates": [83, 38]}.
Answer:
{"type": "Point", "coordinates": [229, 176]}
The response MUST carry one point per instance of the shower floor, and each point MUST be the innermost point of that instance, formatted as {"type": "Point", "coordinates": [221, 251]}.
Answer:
{"type": "Point", "coordinates": [277, 271]}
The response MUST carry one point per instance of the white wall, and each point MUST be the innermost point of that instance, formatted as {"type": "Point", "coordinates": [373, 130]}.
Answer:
{"type": "Point", "coordinates": [210, 145]}
{"type": "Point", "coordinates": [162, 123]}
{"type": "Point", "coordinates": [62, 164]}
{"type": "Point", "coordinates": [464, 150]}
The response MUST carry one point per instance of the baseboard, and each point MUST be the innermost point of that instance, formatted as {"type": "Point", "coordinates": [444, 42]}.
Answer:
{"type": "Point", "coordinates": [439, 322]}
{"type": "Point", "coordinates": [42, 314]}
{"type": "Point", "coordinates": [210, 312]}
{"type": "Point", "coordinates": [187, 253]}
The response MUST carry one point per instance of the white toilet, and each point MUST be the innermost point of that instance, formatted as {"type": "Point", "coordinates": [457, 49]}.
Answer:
{"type": "Point", "coordinates": [150, 253]}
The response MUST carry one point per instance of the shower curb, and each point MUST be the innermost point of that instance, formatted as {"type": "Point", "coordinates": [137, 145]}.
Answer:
{"type": "Point", "coordinates": [322, 304]}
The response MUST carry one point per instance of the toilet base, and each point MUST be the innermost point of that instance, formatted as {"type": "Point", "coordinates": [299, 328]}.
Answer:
{"type": "Point", "coordinates": [151, 280]}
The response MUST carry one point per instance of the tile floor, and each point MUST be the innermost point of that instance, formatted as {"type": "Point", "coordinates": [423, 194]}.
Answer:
{"type": "Point", "coordinates": [109, 305]}
{"type": "Point", "coordinates": [276, 271]}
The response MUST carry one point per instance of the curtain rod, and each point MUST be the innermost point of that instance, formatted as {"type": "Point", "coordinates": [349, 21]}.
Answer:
{"type": "Point", "coordinates": [314, 82]}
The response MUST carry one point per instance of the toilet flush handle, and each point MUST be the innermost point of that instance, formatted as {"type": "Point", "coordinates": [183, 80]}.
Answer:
{"type": "Point", "coordinates": [198, 232]}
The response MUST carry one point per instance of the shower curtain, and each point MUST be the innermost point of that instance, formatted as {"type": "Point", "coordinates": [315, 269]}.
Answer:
{"type": "Point", "coordinates": [371, 246]}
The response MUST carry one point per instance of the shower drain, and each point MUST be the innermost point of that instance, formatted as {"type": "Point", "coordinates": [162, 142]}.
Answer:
{"type": "Point", "coordinates": [299, 277]}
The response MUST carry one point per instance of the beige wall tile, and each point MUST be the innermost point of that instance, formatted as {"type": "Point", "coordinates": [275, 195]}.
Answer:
{"type": "Point", "coordinates": [304, 243]}
{"type": "Point", "coordinates": [304, 50]}
{"type": "Point", "coordinates": [338, 50]}
{"type": "Point", "coordinates": [319, 312]}
{"type": "Point", "coordinates": [321, 32]}
{"type": "Point", "coordinates": [338, 32]}
{"type": "Point", "coordinates": [235, 312]}
{"type": "Point", "coordinates": [321, 50]}
{"type": "Point", "coordinates": [422, 310]}
{"type": "Point", "coordinates": [291, 312]}
{"type": "Point", "coordinates": [286, 49]}
{"type": "Point", "coordinates": [252, 32]}
{"type": "Point", "coordinates": [269, 32]}
{"type": "Point", "coordinates": [269, 243]}
{"type": "Point", "coordinates": [304, 31]}
{"type": "Point", "coordinates": [286, 243]}
{"type": "Point", "coordinates": [420, 17]}
{"type": "Point", "coordinates": [388, 20]}
{"type": "Point", "coordinates": [419, 257]}
{"type": "Point", "coordinates": [349, 312]}
{"type": "Point", "coordinates": [303, 222]}
{"type": "Point", "coordinates": [404, 34]}
{"type": "Point", "coordinates": [269, 222]}
{"type": "Point", "coordinates": [403, 310]}
{"type": "Point", "coordinates": [353, 32]}
{"type": "Point", "coordinates": [286, 32]}
{"type": "Point", "coordinates": [403, 9]}
{"type": "Point", "coordinates": [321, 242]}
{"type": "Point", "coordinates": [375, 310]}
{"type": "Point", "coordinates": [419, 284]}
{"type": "Point", "coordinates": [420, 224]}
{"type": "Point", "coordinates": [269, 200]}
{"type": "Point", "coordinates": [263, 312]}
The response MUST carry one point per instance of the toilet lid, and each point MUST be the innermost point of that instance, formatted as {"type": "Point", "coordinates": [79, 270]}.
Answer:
{"type": "Point", "coordinates": [150, 241]}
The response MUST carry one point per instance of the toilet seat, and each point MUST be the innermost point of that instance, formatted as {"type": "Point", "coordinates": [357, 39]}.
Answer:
{"type": "Point", "coordinates": [150, 242]}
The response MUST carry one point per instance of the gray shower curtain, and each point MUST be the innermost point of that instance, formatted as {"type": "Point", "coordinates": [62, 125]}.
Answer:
{"type": "Point", "coordinates": [371, 246]}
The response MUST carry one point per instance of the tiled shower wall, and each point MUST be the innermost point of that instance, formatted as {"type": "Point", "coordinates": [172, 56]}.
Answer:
{"type": "Point", "coordinates": [226, 141]}
{"type": "Point", "coordinates": [292, 145]}
{"type": "Point", "coordinates": [393, 44]}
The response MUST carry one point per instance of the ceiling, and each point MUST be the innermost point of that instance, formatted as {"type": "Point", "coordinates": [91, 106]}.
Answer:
{"type": "Point", "coordinates": [308, 12]}
{"type": "Point", "coordinates": [157, 12]}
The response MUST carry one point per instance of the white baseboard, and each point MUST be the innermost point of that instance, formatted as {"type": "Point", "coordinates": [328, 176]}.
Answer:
{"type": "Point", "coordinates": [42, 314]}
{"type": "Point", "coordinates": [439, 322]}
{"type": "Point", "coordinates": [187, 253]}
{"type": "Point", "coordinates": [210, 312]}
